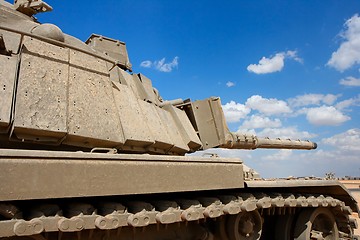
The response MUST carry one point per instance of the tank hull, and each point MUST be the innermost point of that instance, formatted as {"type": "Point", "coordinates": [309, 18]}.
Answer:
{"type": "Point", "coordinates": [27, 174]}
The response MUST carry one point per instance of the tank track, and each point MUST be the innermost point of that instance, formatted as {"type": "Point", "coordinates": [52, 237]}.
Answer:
{"type": "Point", "coordinates": [265, 214]}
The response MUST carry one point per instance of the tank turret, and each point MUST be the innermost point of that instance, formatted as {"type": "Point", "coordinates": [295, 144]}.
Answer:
{"type": "Point", "coordinates": [60, 93]}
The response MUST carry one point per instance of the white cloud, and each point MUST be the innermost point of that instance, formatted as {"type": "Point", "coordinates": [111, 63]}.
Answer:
{"type": "Point", "coordinates": [346, 141]}
{"type": "Point", "coordinates": [282, 154]}
{"type": "Point", "coordinates": [350, 81]}
{"type": "Point", "coordinates": [286, 133]}
{"type": "Point", "coordinates": [312, 99]}
{"type": "Point", "coordinates": [319, 162]}
{"type": "Point", "coordinates": [146, 64]}
{"type": "Point", "coordinates": [256, 121]}
{"type": "Point", "coordinates": [267, 106]}
{"type": "Point", "coordinates": [355, 101]}
{"type": "Point", "coordinates": [326, 116]}
{"type": "Point", "coordinates": [166, 67]}
{"type": "Point", "coordinates": [348, 53]}
{"type": "Point", "coordinates": [245, 131]}
{"type": "Point", "coordinates": [293, 55]}
{"type": "Point", "coordinates": [274, 64]}
{"type": "Point", "coordinates": [161, 65]}
{"type": "Point", "coordinates": [235, 111]}
{"type": "Point", "coordinates": [230, 84]}
{"type": "Point", "coordinates": [268, 65]}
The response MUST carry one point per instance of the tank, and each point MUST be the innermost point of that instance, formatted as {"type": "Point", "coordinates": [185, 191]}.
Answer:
{"type": "Point", "coordinates": [90, 150]}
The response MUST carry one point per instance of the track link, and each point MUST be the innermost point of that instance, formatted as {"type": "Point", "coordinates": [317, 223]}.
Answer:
{"type": "Point", "coordinates": [107, 215]}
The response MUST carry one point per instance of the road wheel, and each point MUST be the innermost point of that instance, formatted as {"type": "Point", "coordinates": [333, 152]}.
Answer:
{"type": "Point", "coordinates": [318, 223]}
{"type": "Point", "coordinates": [244, 226]}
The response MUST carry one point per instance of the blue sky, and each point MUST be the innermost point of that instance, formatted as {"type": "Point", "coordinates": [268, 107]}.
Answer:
{"type": "Point", "coordinates": [282, 68]}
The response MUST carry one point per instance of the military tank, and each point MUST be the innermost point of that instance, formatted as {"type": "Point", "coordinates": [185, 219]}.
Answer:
{"type": "Point", "coordinates": [90, 150]}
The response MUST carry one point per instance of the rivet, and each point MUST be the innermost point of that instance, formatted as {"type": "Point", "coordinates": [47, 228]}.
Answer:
{"type": "Point", "coordinates": [79, 225]}
{"type": "Point", "coordinates": [38, 227]}
{"type": "Point", "coordinates": [64, 225]}
{"type": "Point", "coordinates": [102, 223]}
{"type": "Point", "coordinates": [115, 222]}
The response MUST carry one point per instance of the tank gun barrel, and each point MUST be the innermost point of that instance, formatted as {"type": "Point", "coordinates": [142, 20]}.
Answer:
{"type": "Point", "coordinates": [253, 142]}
